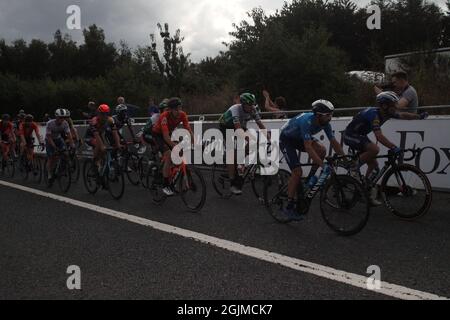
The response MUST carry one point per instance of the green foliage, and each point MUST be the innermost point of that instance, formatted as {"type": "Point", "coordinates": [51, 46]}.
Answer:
{"type": "Point", "coordinates": [302, 52]}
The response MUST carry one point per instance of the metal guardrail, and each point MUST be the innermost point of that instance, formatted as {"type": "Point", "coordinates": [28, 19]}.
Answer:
{"type": "Point", "coordinates": [216, 116]}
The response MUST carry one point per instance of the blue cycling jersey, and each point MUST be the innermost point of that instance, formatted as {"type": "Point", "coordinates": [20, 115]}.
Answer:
{"type": "Point", "coordinates": [303, 128]}
{"type": "Point", "coordinates": [366, 121]}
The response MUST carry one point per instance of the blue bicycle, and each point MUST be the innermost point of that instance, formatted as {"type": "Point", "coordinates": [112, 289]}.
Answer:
{"type": "Point", "coordinates": [109, 177]}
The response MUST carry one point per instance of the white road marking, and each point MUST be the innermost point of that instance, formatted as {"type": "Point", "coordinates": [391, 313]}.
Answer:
{"type": "Point", "coordinates": [321, 271]}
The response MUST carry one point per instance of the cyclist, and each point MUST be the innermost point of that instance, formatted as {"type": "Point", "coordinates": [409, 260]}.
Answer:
{"type": "Point", "coordinates": [297, 135]}
{"type": "Point", "coordinates": [162, 131]}
{"type": "Point", "coordinates": [54, 139]}
{"type": "Point", "coordinates": [236, 118]}
{"type": "Point", "coordinates": [146, 131]}
{"type": "Point", "coordinates": [96, 135]}
{"type": "Point", "coordinates": [8, 138]}
{"type": "Point", "coordinates": [370, 120]}
{"type": "Point", "coordinates": [121, 119]}
{"type": "Point", "coordinates": [26, 130]}
{"type": "Point", "coordinates": [19, 120]}
{"type": "Point", "coordinates": [73, 130]}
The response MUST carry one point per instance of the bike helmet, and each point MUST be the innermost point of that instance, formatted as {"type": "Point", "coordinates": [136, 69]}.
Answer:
{"type": "Point", "coordinates": [322, 107]}
{"type": "Point", "coordinates": [104, 108]}
{"type": "Point", "coordinates": [388, 97]}
{"type": "Point", "coordinates": [62, 113]}
{"type": "Point", "coordinates": [248, 99]}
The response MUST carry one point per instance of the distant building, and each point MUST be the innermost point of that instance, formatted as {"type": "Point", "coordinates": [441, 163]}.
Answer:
{"type": "Point", "coordinates": [395, 62]}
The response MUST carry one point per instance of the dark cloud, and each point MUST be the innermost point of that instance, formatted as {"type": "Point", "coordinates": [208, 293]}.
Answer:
{"type": "Point", "coordinates": [204, 23]}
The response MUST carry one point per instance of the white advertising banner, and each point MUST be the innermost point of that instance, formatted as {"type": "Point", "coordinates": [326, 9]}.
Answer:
{"type": "Point", "coordinates": [431, 135]}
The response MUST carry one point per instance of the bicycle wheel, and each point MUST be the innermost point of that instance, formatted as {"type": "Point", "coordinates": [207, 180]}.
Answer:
{"type": "Point", "coordinates": [407, 192]}
{"type": "Point", "coordinates": [36, 170]}
{"type": "Point", "coordinates": [220, 181]}
{"type": "Point", "coordinates": [75, 168]}
{"type": "Point", "coordinates": [115, 181]}
{"type": "Point", "coordinates": [275, 195]}
{"type": "Point", "coordinates": [64, 175]}
{"type": "Point", "coordinates": [192, 187]}
{"type": "Point", "coordinates": [45, 172]}
{"type": "Point", "coordinates": [143, 167]}
{"type": "Point", "coordinates": [132, 169]}
{"type": "Point", "coordinates": [90, 176]}
{"type": "Point", "coordinates": [22, 167]}
{"type": "Point", "coordinates": [8, 168]}
{"type": "Point", "coordinates": [344, 205]}
{"type": "Point", "coordinates": [154, 184]}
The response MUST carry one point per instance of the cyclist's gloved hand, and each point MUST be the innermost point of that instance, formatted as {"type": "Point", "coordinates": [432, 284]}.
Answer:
{"type": "Point", "coordinates": [396, 150]}
{"type": "Point", "coordinates": [424, 115]}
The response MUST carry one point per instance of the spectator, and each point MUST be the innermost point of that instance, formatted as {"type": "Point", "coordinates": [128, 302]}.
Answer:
{"type": "Point", "coordinates": [120, 100]}
{"type": "Point", "coordinates": [46, 118]}
{"type": "Point", "coordinates": [152, 108]}
{"type": "Point", "coordinates": [92, 111]}
{"type": "Point", "coordinates": [278, 106]}
{"type": "Point", "coordinates": [409, 101]}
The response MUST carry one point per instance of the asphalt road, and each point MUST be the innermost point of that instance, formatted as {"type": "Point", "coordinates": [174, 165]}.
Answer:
{"type": "Point", "coordinates": [41, 237]}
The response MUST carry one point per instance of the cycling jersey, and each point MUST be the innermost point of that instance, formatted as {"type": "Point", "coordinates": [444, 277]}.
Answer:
{"type": "Point", "coordinates": [366, 121]}
{"type": "Point", "coordinates": [101, 126]}
{"type": "Point", "coordinates": [70, 122]}
{"type": "Point", "coordinates": [237, 115]}
{"type": "Point", "coordinates": [303, 128]}
{"type": "Point", "coordinates": [17, 124]}
{"type": "Point", "coordinates": [56, 131]}
{"type": "Point", "coordinates": [167, 124]}
{"type": "Point", "coordinates": [6, 130]}
{"type": "Point", "coordinates": [26, 130]}
{"type": "Point", "coordinates": [296, 132]}
{"type": "Point", "coordinates": [120, 123]}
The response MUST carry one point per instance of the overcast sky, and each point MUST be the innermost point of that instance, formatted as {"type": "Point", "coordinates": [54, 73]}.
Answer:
{"type": "Point", "coordinates": [204, 23]}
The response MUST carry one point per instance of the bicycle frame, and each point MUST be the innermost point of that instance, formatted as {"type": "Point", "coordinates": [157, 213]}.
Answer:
{"type": "Point", "coordinates": [391, 162]}
{"type": "Point", "coordinates": [107, 166]}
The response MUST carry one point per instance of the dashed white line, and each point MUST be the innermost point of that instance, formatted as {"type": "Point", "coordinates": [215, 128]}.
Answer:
{"type": "Point", "coordinates": [321, 271]}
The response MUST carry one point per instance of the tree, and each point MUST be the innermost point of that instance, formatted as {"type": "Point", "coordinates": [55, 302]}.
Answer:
{"type": "Point", "coordinates": [173, 63]}
{"type": "Point", "coordinates": [97, 56]}
{"type": "Point", "coordinates": [445, 39]}
{"type": "Point", "coordinates": [65, 60]}
{"type": "Point", "coordinates": [37, 58]}
{"type": "Point", "coordinates": [301, 68]}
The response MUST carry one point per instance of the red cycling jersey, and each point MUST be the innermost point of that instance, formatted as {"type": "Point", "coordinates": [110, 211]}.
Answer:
{"type": "Point", "coordinates": [27, 130]}
{"type": "Point", "coordinates": [167, 123]}
{"type": "Point", "coordinates": [6, 130]}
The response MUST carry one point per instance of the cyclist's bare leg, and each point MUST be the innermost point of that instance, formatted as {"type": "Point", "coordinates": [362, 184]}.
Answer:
{"type": "Point", "coordinates": [294, 182]}
{"type": "Point", "coordinates": [99, 154]}
{"type": "Point", "coordinates": [51, 165]}
{"type": "Point", "coordinates": [369, 157]}
{"type": "Point", "coordinates": [167, 165]}
{"type": "Point", "coordinates": [231, 168]}
{"type": "Point", "coordinates": [29, 152]}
